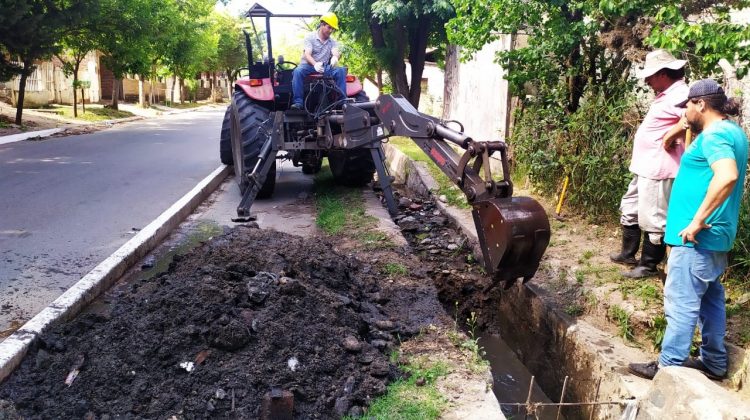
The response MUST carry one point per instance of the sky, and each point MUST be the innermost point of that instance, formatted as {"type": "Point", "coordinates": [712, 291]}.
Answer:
{"type": "Point", "coordinates": [287, 33]}
{"type": "Point", "coordinates": [281, 6]}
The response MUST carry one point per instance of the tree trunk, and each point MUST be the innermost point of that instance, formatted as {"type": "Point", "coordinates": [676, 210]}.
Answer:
{"type": "Point", "coordinates": [396, 68]}
{"type": "Point", "coordinates": [229, 84]}
{"type": "Point", "coordinates": [171, 93]}
{"type": "Point", "coordinates": [83, 100]}
{"type": "Point", "coordinates": [76, 66]}
{"type": "Point", "coordinates": [417, 53]}
{"type": "Point", "coordinates": [115, 93]}
{"type": "Point", "coordinates": [451, 78]}
{"type": "Point", "coordinates": [141, 92]}
{"type": "Point", "coordinates": [21, 94]}
{"type": "Point", "coordinates": [182, 90]}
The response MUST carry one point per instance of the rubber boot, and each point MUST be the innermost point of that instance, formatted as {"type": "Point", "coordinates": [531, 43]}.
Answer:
{"type": "Point", "coordinates": [631, 241]}
{"type": "Point", "coordinates": [651, 256]}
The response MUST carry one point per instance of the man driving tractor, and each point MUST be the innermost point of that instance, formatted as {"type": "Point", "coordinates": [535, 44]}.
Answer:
{"type": "Point", "coordinates": [320, 55]}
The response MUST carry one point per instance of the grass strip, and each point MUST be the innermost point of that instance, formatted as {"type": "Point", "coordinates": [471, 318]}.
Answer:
{"type": "Point", "coordinates": [341, 211]}
{"type": "Point", "coordinates": [446, 187]}
{"type": "Point", "coordinates": [406, 400]}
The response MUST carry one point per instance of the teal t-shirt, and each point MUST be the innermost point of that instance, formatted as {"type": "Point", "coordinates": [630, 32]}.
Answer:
{"type": "Point", "coordinates": [721, 140]}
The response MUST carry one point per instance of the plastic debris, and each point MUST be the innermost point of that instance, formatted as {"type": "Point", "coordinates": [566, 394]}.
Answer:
{"type": "Point", "coordinates": [293, 363]}
{"type": "Point", "coordinates": [188, 366]}
{"type": "Point", "coordinates": [75, 370]}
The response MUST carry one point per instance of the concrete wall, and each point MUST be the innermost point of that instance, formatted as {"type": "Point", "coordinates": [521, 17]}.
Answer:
{"type": "Point", "coordinates": [49, 84]}
{"type": "Point", "coordinates": [481, 94]}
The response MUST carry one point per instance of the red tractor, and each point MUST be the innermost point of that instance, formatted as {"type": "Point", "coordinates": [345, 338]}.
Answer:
{"type": "Point", "coordinates": [260, 127]}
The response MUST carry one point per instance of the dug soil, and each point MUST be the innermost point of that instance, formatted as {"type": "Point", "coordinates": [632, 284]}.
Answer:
{"type": "Point", "coordinates": [246, 323]}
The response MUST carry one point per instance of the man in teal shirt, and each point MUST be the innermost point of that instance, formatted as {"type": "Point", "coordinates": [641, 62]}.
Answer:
{"type": "Point", "coordinates": [701, 227]}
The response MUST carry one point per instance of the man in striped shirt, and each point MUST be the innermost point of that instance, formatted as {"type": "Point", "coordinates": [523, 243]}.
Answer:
{"type": "Point", "coordinates": [320, 55]}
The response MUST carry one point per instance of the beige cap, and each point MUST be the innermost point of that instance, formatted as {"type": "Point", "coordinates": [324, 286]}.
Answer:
{"type": "Point", "coordinates": [657, 60]}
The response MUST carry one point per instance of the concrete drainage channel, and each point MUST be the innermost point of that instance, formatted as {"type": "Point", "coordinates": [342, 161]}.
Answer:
{"type": "Point", "coordinates": [573, 361]}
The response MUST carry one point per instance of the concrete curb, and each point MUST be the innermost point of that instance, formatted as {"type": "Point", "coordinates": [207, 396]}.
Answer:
{"type": "Point", "coordinates": [98, 280]}
{"type": "Point", "coordinates": [29, 135]}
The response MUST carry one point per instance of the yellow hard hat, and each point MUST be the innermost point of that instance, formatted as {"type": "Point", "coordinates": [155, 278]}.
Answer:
{"type": "Point", "coordinates": [331, 19]}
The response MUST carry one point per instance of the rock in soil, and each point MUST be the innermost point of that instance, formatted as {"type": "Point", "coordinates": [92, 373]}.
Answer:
{"type": "Point", "coordinates": [236, 310]}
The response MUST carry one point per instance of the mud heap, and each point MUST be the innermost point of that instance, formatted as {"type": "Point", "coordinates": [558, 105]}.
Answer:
{"type": "Point", "coordinates": [248, 314]}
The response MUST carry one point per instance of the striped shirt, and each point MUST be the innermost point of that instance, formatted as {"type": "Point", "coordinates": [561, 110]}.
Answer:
{"type": "Point", "coordinates": [320, 50]}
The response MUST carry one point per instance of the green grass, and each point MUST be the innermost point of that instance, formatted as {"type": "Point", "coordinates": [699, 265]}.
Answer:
{"type": "Point", "coordinates": [574, 309]}
{"type": "Point", "coordinates": [621, 318]}
{"type": "Point", "coordinates": [93, 113]}
{"type": "Point", "coordinates": [656, 328]}
{"type": "Point", "coordinates": [642, 289]}
{"type": "Point", "coordinates": [406, 400]}
{"type": "Point", "coordinates": [396, 269]}
{"type": "Point", "coordinates": [446, 187]}
{"type": "Point", "coordinates": [185, 105]}
{"type": "Point", "coordinates": [341, 211]}
{"type": "Point", "coordinates": [585, 256]}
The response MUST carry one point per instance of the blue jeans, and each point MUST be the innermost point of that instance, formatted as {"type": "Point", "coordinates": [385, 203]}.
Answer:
{"type": "Point", "coordinates": [304, 69]}
{"type": "Point", "coordinates": [693, 294]}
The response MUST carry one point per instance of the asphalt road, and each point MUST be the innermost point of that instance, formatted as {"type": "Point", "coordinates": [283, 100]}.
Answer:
{"type": "Point", "coordinates": [68, 203]}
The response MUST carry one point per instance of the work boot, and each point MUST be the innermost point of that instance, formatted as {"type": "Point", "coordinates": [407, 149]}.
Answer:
{"type": "Point", "coordinates": [631, 241]}
{"type": "Point", "coordinates": [644, 370]}
{"type": "Point", "coordinates": [697, 363]}
{"type": "Point", "coordinates": [651, 256]}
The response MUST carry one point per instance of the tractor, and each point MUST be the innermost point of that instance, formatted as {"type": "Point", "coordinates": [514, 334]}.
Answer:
{"type": "Point", "coordinates": [260, 127]}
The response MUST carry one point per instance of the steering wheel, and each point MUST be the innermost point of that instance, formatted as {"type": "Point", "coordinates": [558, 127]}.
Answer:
{"type": "Point", "coordinates": [285, 65]}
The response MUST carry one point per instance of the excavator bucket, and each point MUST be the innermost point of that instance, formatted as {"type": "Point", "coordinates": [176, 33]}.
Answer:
{"type": "Point", "coordinates": [513, 233]}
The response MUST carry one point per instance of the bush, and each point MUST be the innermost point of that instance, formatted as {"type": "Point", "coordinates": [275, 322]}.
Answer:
{"type": "Point", "coordinates": [592, 145]}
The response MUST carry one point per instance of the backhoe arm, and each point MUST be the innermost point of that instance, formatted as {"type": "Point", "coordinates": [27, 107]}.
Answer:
{"type": "Point", "coordinates": [513, 232]}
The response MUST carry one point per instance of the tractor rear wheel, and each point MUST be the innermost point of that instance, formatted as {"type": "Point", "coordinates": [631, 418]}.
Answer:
{"type": "Point", "coordinates": [225, 143]}
{"type": "Point", "coordinates": [352, 168]}
{"type": "Point", "coordinates": [255, 127]}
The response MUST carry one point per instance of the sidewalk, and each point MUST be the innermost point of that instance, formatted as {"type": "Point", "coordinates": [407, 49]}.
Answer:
{"type": "Point", "coordinates": [40, 124]}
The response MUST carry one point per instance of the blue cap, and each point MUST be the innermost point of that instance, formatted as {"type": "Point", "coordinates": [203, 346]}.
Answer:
{"type": "Point", "coordinates": [703, 87]}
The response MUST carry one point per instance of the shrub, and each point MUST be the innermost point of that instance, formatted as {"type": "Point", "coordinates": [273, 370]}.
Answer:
{"type": "Point", "coordinates": [592, 146]}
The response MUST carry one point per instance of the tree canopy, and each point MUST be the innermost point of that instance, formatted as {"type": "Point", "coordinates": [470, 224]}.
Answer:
{"type": "Point", "coordinates": [388, 32]}
{"type": "Point", "coordinates": [581, 44]}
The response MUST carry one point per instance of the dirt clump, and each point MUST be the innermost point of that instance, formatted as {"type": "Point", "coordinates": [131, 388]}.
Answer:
{"type": "Point", "coordinates": [243, 314]}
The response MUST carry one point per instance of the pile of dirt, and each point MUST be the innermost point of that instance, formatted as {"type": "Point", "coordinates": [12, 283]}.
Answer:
{"type": "Point", "coordinates": [245, 315]}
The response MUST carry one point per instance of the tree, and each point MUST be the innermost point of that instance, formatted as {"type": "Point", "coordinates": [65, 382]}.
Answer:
{"type": "Point", "coordinates": [231, 54]}
{"type": "Point", "coordinates": [127, 29]}
{"type": "Point", "coordinates": [76, 42]}
{"type": "Point", "coordinates": [577, 45]}
{"type": "Point", "coordinates": [578, 107]}
{"type": "Point", "coordinates": [29, 31]}
{"type": "Point", "coordinates": [8, 69]}
{"type": "Point", "coordinates": [397, 30]}
{"type": "Point", "coordinates": [191, 43]}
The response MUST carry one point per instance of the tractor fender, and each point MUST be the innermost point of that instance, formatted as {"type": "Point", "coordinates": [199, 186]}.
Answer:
{"type": "Point", "coordinates": [353, 87]}
{"type": "Point", "coordinates": [264, 92]}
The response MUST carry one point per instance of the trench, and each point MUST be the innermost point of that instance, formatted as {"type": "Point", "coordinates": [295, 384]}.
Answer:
{"type": "Point", "coordinates": [511, 380]}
